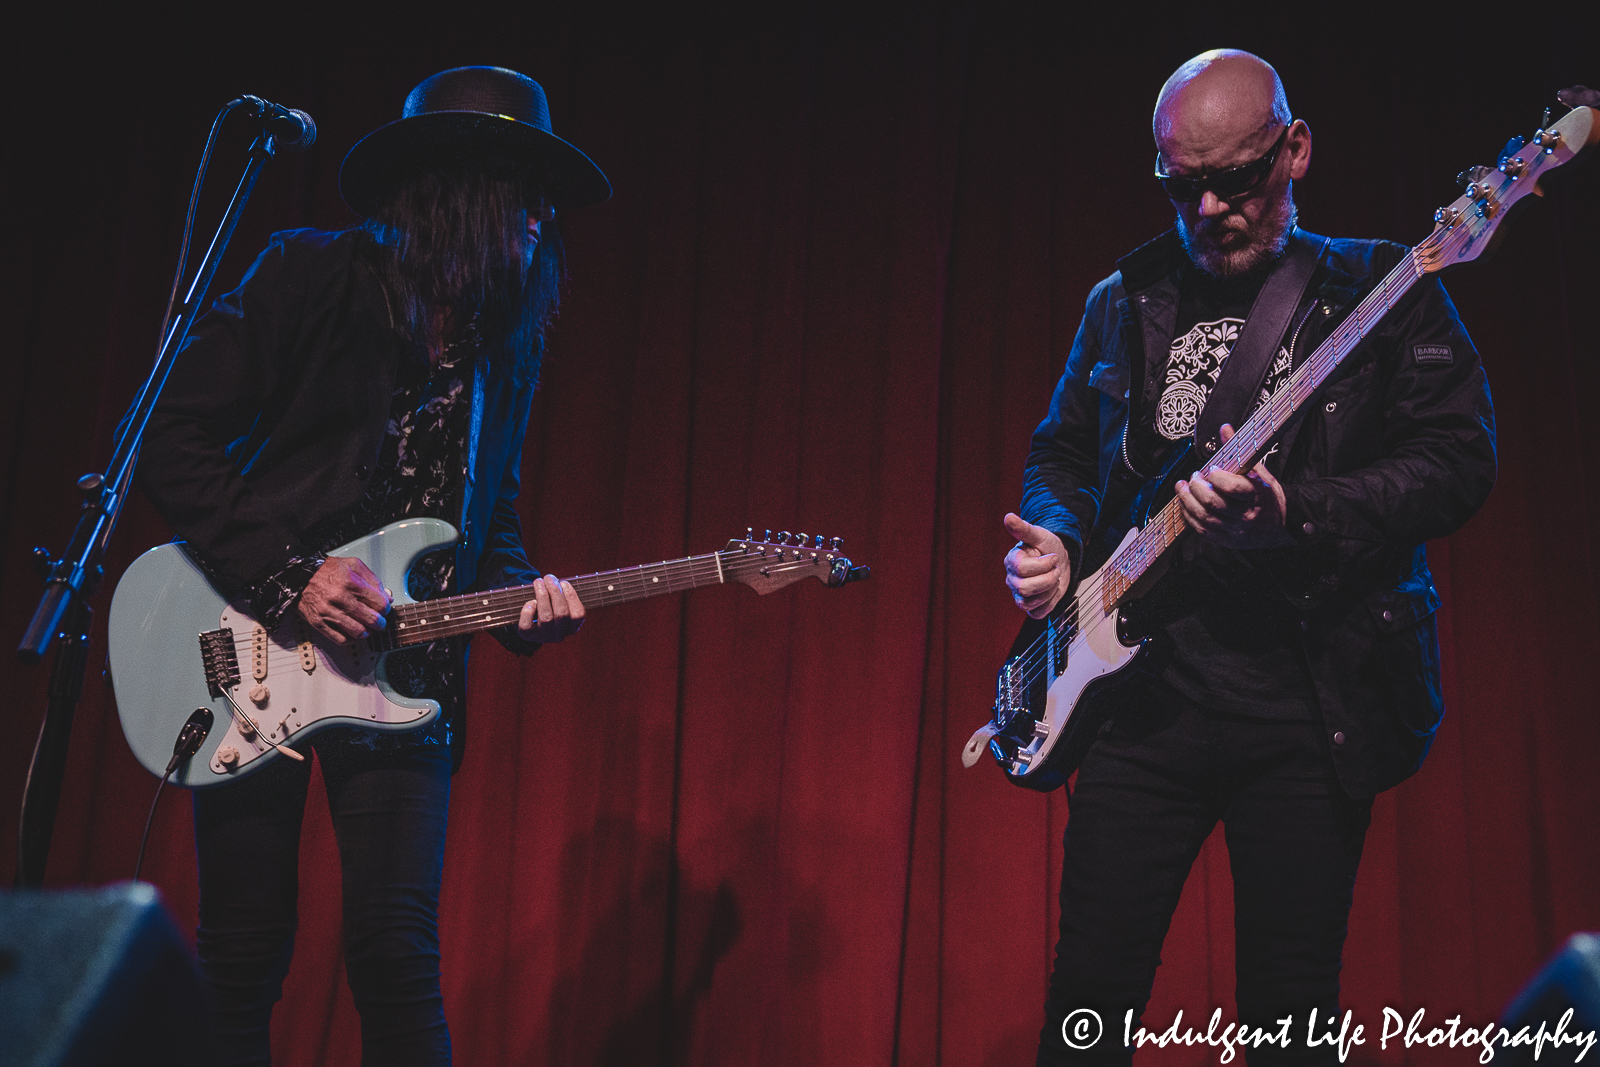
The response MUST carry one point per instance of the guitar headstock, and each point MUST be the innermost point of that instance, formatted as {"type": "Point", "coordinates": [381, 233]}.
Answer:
{"type": "Point", "coordinates": [771, 562]}
{"type": "Point", "coordinates": [1465, 229]}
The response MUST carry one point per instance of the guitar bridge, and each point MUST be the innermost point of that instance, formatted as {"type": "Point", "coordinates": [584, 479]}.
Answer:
{"type": "Point", "coordinates": [1010, 697]}
{"type": "Point", "coordinates": [221, 660]}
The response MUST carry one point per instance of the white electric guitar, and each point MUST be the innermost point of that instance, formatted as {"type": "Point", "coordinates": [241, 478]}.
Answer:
{"type": "Point", "coordinates": [180, 652]}
{"type": "Point", "coordinates": [1045, 716]}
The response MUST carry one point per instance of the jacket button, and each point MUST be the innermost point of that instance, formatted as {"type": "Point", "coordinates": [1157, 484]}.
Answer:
{"type": "Point", "coordinates": [1308, 529]}
{"type": "Point", "coordinates": [1330, 406]}
{"type": "Point", "coordinates": [1338, 737]}
{"type": "Point", "coordinates": [1388, 616]}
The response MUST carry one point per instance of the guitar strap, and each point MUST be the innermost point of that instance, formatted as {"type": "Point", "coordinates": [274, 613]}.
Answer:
{"type": "Point", "coordinates": [1259, 339]}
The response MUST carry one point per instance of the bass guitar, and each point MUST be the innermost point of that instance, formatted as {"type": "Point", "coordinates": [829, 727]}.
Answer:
{"type": "Point", "coordinates": [1045, 711]}
{"type": "Point", "coordinates": [181, 653]}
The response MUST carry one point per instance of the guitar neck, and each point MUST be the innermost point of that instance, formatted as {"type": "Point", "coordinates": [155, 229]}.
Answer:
{"type": "Point", "coordinates": [1246, 446]}
{"type": "Point", "coordinates": [468, 613]}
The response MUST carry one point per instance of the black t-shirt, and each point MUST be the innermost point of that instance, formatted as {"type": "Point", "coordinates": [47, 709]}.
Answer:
{"type": "Point", "coordinates": [1224, 633]}
{"type": "Point", "coordinates": [1211, 311]}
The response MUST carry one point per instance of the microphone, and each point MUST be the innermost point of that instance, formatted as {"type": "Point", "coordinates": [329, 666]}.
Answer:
{"type": "Point", "coordinates": [294, 130]}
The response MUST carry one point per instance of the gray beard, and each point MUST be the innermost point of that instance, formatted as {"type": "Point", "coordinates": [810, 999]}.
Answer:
{"type": "Point", "coordinates": [1266, 243]}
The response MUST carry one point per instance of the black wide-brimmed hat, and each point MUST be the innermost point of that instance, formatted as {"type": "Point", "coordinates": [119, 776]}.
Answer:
{"type": "Point", "coordinates": [470, 117]}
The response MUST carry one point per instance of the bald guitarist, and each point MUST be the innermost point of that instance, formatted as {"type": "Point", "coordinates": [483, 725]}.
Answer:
{"type": "Point", "coordinates": [1294, 666]}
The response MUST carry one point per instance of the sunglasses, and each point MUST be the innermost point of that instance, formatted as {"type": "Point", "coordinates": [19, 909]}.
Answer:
{"type": "Point", "coordinates": [1227, 184]}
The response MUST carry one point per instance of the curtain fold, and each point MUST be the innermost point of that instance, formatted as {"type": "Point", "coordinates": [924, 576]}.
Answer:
{"type": "Point", "coordinates": [845, 261]}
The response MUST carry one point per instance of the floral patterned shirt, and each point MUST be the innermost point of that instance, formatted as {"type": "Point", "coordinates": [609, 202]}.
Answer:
{"type": "Point", "coordinates": [421, 470]}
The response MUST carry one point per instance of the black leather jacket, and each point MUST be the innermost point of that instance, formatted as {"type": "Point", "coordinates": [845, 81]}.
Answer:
{"type": "Point", "coordinates": [1395, 449]}
{"type": "Point", "coordinates": [275, 412]}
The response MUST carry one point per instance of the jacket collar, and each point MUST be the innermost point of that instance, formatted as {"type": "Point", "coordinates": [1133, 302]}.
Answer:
{"type": "Point", "coordinates": [1152, 262]}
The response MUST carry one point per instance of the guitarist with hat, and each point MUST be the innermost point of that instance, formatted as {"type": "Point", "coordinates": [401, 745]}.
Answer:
{"type": "Point", "coordinates": [353, 379]}
{"type": "Point", "coordinates": [1293, 668]}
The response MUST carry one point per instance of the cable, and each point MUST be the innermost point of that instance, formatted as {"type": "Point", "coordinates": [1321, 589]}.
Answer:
{"type": "Point", "coordinates": [187, 240]}
{"type": "Point", "coordinates": [188, 222]}
{"type": "Point", "coordinates": [190, 738]}
{"type": "Point", "coordinates": [150, 819]}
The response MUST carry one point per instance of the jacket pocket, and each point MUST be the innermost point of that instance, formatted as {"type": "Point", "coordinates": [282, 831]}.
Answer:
{"type": "Point", "coordinates": [1408, 644]}
{"type": "Point", "coordinates": [1349, 422]}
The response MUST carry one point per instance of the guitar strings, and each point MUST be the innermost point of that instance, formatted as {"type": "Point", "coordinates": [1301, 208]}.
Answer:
{"type": "Point", "coordinates": [511, 606]}
{"type": "Point", "coordinates": [1318, 366]}
{"type": "Point", "coordinates": [503, 598]}
{"type": "Point", "coordinates": [507, 607]}
{"type": "Point", "coordinates": [509, 601]}
{"type": "Point", "coordinates": [1160, 533]}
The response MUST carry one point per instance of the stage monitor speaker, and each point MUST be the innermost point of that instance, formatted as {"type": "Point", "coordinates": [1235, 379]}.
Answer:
{"type": "Point", "coordinates": [1570, 981]}
{"type": "Point", "coordinates": [90, 977]}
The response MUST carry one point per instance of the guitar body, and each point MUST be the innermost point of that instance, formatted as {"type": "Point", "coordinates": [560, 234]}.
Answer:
{"type": "Point", "coordinates": [1045, 706]}
{"type": "Point", "coordinates": [164, 602]}
{"type": "Point", "coordinates": [177, 645]}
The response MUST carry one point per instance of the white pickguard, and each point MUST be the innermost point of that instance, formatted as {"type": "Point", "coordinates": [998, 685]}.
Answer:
{"type": "Point", "coordinates": [341, 684]}
{"type": "Point", "coordinates": [165, 605]}
{"type": "Point", "coordinates": [1094, 652]}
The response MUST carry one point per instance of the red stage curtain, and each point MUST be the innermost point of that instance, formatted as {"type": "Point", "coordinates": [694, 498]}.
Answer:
{"type": "Point", "coordinates": [844, 264]}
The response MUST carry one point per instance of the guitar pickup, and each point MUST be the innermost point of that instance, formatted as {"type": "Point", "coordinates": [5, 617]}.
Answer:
{"type": "Point", "coordinates": [221, 660]}
{"type": "Point", "coordinates": [258, 653]}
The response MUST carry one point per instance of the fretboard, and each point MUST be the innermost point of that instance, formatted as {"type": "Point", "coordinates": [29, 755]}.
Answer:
{"type": "Point", "coordinates": [1244, 450]}
{"type": "Point", "coordinates": [430, 620]}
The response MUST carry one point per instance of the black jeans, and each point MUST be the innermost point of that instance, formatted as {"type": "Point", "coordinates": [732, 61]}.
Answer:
{"type": "Point", "coordinates": [389, 807]}
{"type": "Point", "coordinates": [1148, 795]}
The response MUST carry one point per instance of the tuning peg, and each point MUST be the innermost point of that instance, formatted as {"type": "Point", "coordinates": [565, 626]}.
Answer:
{"type": "Point", "coordinates": [43, 561]}
{"type": "Point", "coordinates": [749, 533]}
{"type": "Point", "coordinates": [800, 539]}
{"type": "Point", "coordinates": [783, 538]}
{"type": "Point", "coordinates": [768, 537]}
{"type": "Point", "coordinates": [1510, 163]}
{"type": "Point", "coordinates": [1547, 139]}
{"type": "Point", "coordinates": [837, 543]}
{"type": "Point", "coordinates": [819, 541]}
{"type": "Point", "coordinates": [1464, 179]}
{"type": "Point", "coordinates": [1546, 120]}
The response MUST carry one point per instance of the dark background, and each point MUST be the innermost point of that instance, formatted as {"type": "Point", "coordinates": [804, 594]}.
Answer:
{"type": "Point", "coordinates": [845, 260]}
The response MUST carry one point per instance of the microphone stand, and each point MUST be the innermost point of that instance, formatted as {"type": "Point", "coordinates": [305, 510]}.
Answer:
{"type": "Point", "coordinates": [71, 580]}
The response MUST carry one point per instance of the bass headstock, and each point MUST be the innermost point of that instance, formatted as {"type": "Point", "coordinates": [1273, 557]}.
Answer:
{"type": "Point", "coordinates": [771, 562]}
{"type": "Point", "coordinates": [1464, 230]}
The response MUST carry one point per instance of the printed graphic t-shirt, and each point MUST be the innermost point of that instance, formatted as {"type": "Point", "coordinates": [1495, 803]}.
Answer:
{"type": "Point", "coordinates": [1229, 643]}
{"type": "Point", "coordinates": [1211, 313]}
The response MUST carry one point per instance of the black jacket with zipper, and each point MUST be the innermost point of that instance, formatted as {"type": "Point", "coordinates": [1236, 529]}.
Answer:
{"type": "Point", "coordinates": [1395, 449]}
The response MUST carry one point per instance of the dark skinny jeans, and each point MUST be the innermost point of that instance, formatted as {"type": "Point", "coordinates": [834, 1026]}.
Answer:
{"type": "Point", "coordinates": [1147, 796]}
{"type": "Point", "coordinates": [389, 809]}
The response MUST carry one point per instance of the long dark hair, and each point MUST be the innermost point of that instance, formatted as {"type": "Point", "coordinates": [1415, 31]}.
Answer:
{"type": "Point", "coordinates": [457, 241]}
